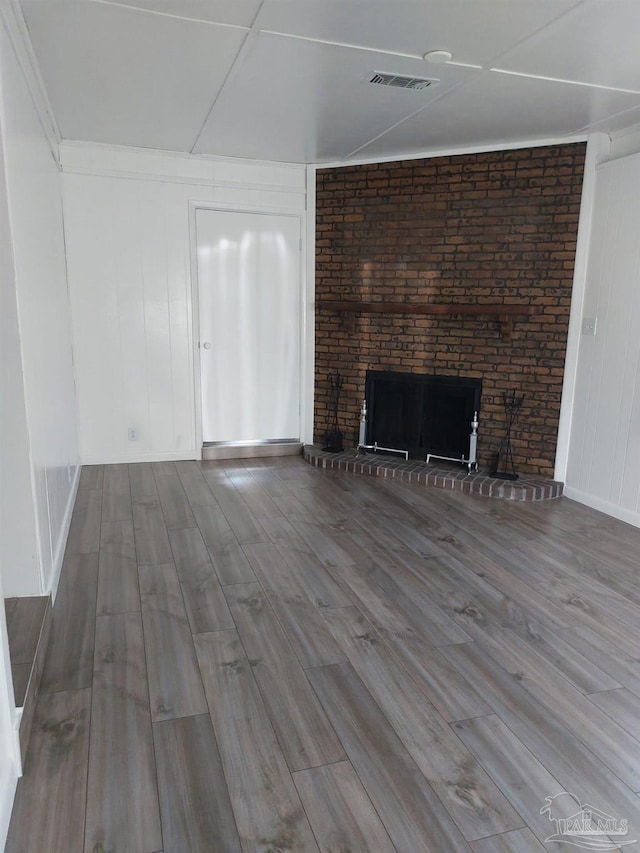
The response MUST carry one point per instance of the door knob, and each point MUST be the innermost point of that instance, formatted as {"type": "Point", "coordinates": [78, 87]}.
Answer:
{"type": "Point", "coordinates": [206, 345]}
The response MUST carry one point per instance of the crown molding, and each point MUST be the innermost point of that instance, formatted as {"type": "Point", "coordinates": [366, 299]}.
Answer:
{"type": "Point", "coordinates": [430, 153]}
{"type": "Point", "coordinates": [118, 161]}
{"type": "Point", "coordinates": [18, 34]}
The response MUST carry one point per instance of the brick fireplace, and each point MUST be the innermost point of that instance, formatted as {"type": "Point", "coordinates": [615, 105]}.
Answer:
{"type": "Point", "coordinates": [492, 229]}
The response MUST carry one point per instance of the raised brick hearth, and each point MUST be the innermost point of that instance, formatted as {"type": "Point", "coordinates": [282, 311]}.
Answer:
{"type": "Point", "coordinates": [495, 228]}
{"type": "Point", "coordinates": [527, 488]}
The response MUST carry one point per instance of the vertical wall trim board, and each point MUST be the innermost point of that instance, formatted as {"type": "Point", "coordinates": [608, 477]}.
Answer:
{"type": "Point", "coordinates": [580, 410]}
{"type": "Point", "coordinates": [634, 389]}
{"type": "Point", "coordinates": [603, 467]}
{"type": "Point", "coordinates": [309, 311]}
{"type": "Point", "coordinates": [58, 554]}
{"type": "Point", "coordinates": [47, 491]}
{"type": "Point", "coordinates": [194, 312]}
{"type": "Point", "coordinates": [597, 145]}
{"type": "Point", "coordinates": [596, 384]}
{"type": "Point", "coordinates": [630, 310]}
{"type": "Point", "coordinates": [76, 461]}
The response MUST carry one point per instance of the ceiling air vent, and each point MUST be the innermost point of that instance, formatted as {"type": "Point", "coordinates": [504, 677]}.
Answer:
{"type": "Point", "coordinates": [400, 82]}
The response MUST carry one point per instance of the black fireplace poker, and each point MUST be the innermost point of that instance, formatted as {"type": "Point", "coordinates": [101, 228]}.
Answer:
{"type": "Point", "coordinates": [333, 438]}
{"type": "Point", "coordinates": [503, 464]}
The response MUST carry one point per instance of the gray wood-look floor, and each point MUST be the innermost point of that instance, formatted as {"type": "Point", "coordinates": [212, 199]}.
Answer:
{"type": "Point", "coordinates": [25, 617]}
{"type": "Point", "coordinates": [260, 656]}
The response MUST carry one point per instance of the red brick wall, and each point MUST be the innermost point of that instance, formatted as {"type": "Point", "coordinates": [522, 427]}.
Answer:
{"type": "Point", "coordinates": [497, 227]}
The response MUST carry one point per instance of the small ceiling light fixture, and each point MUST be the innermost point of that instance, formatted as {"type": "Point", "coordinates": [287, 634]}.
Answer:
{"type": "Point", "coordinates": [437, 57]}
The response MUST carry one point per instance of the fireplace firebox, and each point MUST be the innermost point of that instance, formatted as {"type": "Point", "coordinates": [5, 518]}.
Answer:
{"type": "Point", "coordinates": [421, 414]}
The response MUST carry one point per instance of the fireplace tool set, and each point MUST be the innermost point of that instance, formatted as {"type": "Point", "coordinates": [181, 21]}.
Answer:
{"type": "Point", "coordinates": [503, 465]}
{"type": "Point", "coordinates": [333, 438]}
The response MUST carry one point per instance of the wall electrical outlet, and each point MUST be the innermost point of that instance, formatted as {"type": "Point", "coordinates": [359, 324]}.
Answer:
{"type": "Point", "coordinates": [589, 326]}
{"type": "Point", "coordinates": [133, 434]}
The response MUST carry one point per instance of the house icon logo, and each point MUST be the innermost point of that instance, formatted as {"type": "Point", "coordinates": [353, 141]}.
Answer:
{"type": "Point", "coordinates": [582, 825]}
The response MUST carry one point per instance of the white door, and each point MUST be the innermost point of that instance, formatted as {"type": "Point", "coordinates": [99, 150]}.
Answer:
{"type": "Point", "coordinates": [249, 305]}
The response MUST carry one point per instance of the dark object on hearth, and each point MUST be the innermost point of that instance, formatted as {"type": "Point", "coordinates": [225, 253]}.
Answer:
{"type": "Point", "coordinates": [503, 464]}
{"type": "Point", "coordinates": [333, 438]}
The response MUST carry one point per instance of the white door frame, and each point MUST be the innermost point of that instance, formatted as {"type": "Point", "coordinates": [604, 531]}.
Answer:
{"type": "Point", "coordinates": [306, 328]}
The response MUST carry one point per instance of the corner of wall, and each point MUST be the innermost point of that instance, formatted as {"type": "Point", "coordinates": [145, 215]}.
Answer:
{"type": "Point", "coordinates": [598, 146]}
{"type": "Point", "coordinates": [625, 144]}
{"type": "Point", "coordinates": [309, 311]}
{"type": "Point", "coordinates": [593, 501]}
{"type": "Point", "coordinates": [63, 533]}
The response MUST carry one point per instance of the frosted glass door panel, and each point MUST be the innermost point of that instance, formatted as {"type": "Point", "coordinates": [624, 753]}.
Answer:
{"type": "Point", "coordinates": [249, 297]}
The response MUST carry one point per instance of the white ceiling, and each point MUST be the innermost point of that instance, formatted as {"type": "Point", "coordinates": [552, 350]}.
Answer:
{"type": "Point", "coordinates": [287, 80]}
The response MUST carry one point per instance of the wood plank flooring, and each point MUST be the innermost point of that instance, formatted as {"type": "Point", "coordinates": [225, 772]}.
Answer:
{"type": "Point", "coordinates": [254, 656]}
{"type": "Point", "coordinates": [25, 617]}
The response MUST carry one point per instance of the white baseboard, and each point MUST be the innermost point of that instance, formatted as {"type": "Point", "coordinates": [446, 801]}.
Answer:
{"type": "Point", "coordinates": [614, 510]}
{"type": "Point", "coordinates": [58, 556]}
{"type": "Point", "coordinates": [165, 456]}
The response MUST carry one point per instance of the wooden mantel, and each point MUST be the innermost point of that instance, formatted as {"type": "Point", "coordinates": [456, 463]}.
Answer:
{"type": "Point", "coordinates": [505, 314]}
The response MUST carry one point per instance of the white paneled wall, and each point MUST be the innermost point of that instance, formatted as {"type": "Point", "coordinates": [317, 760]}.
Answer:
{"type": "Point", "coordinates": [18, 552]}
{"type": "Point", "coordinates": [129, 290]}
{"type": "Point", "coordinates": [35, 212]}
{"type": "Point", "coordinates": [38, 439]}
{"type": "Point", "coordinates": [18, 538]}
{"type": "Point", "coordinates": [128, 225]}
{"type": "Point", "coordinates": [604, 448]}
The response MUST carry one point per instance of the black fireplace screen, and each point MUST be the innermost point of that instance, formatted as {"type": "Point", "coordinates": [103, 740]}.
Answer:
{"type": "Point", "coordinates": [421, 414]}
